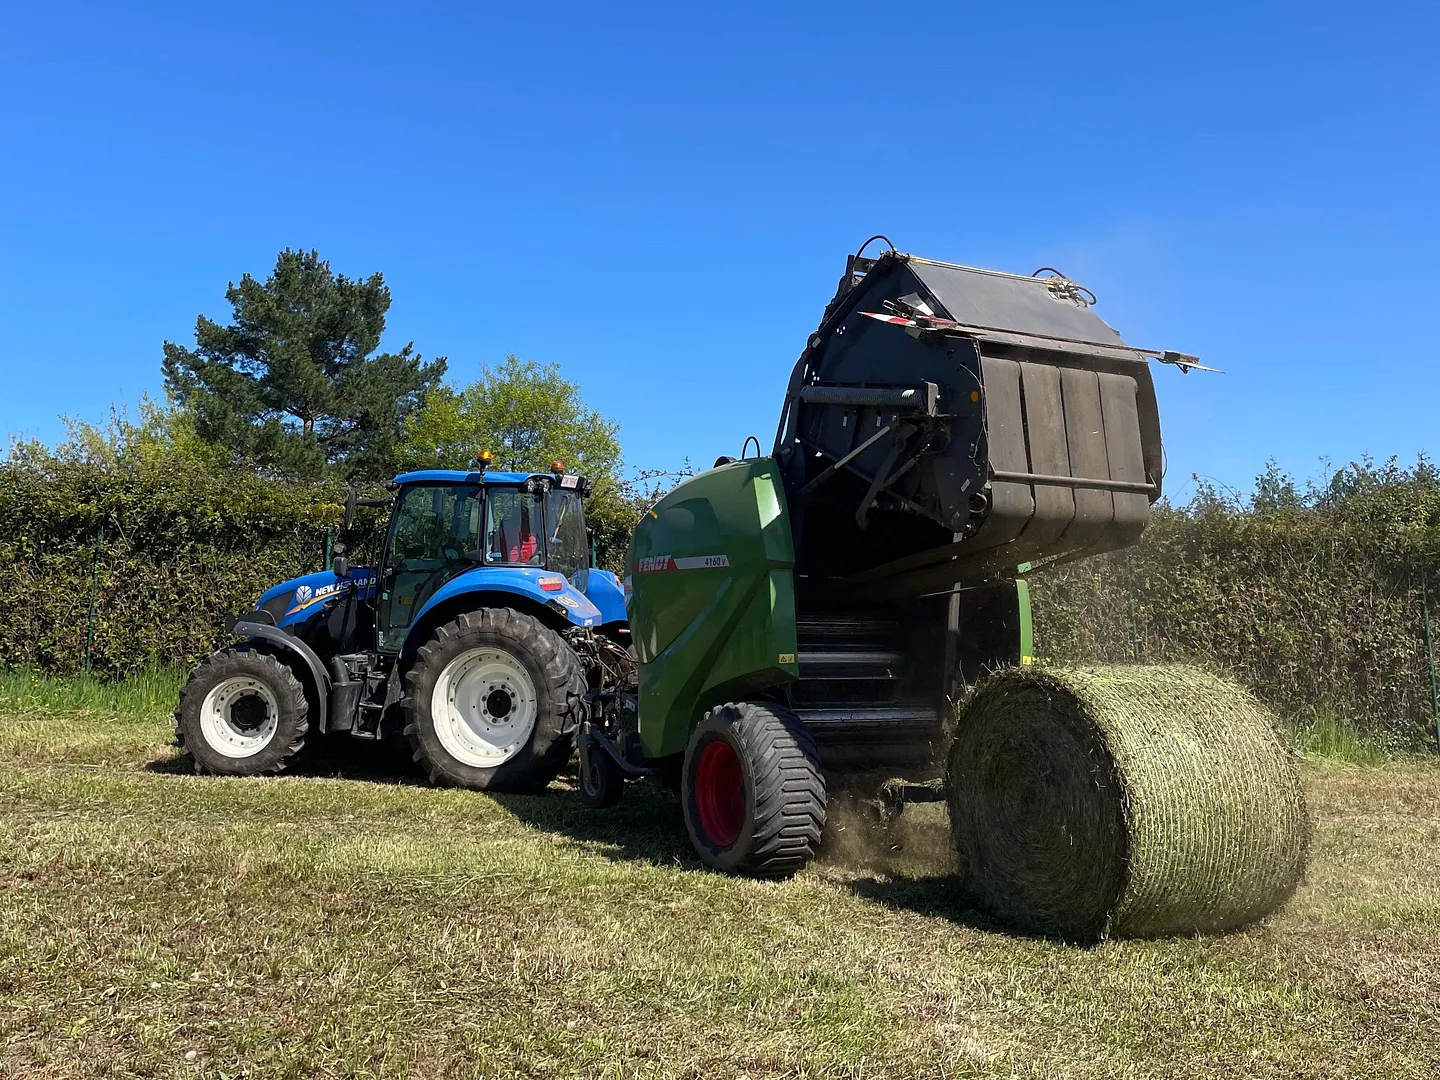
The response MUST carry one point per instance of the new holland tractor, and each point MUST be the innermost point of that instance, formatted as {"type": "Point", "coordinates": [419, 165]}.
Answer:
{"type": "Point", "coordinates": [786, 621]}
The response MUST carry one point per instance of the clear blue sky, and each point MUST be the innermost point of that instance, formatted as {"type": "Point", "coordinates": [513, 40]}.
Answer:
{"type": "Point", "coordinates": [660, 197]}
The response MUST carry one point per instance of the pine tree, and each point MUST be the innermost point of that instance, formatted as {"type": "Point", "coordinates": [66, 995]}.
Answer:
{"type": "Point", "coordinates": [294, 384]}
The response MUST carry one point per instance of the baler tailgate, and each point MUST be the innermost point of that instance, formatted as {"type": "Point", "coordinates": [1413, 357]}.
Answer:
{"type": "Point", "coordinates": [1064, 447]}
{"type": "Point", "coordinates": [945, 425]}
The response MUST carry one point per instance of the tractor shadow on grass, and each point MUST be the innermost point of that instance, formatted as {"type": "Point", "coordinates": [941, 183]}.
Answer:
{"type": "Point", "coordinates": [385, 762]}
{"type": "Point", "coordinates": [177, 763]}
{"type": "Point", "coordinates": [645, 826]}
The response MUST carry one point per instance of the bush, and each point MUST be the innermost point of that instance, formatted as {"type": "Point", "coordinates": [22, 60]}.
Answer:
{"type": "Point", "coordinates": [1313, 599]}
{"type": "Point", "coordinates": [170, 540]}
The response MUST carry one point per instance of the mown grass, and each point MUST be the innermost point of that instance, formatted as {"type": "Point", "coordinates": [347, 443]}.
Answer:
{"type": "Point", "coordinates": [333, 926]}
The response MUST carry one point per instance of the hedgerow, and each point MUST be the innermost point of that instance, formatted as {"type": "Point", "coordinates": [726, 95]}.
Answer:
{"type": "Point", "coordinates": [167, 540]}
{"type": "Point", "coordinates": [1313, 598]}
{"type": "Point", "coordinates": [164, 545]}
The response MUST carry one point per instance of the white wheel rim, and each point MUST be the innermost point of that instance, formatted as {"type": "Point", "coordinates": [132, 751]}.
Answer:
{"type": "Point", "coordinates": [484, 707]}
{"type": "Point", "coordinates": [230, 721]}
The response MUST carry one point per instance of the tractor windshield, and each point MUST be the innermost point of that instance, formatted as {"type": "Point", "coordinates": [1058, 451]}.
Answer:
{"type": "Point", "coordinates": [432, 529]}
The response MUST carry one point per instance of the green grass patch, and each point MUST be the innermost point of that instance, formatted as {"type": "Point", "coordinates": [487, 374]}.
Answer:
{"type": "Point", "coordinates": [334, 926]}
{"type": "Point", "coordinates": [149, 692]}
{"type": "Point", "coordinates": [1328, 736]}
{"type": "Point", "coordinates": [86, 720]}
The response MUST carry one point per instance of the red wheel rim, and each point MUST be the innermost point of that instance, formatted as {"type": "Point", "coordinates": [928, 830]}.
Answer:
{"type": "Point", "coordinates": [720, 794]}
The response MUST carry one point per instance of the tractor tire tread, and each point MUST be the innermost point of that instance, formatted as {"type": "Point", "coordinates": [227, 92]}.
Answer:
{"type": "Point", "coordinates": [559, 674]}
{"type": "Point", "coordinates": [294, 709]}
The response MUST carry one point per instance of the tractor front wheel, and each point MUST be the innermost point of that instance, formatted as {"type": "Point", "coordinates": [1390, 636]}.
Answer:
{"type": "Point", "coordinates": [243, 713]}
{"type": "Point", "coordinates": [752, 790]}
{"type": "Point", "coordinates": [492, 702]}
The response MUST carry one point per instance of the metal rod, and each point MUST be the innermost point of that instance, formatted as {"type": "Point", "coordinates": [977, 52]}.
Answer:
{"type": "Point", "coordinates": [1072, 482]}
{"type": "Point", "coordinates": [94, 584]}
{"type": "Point", "coordinates": [329, 542]}
{"type": "Point", "coordinates": [846, 459]}
{"type": "Point", "coordinates": [1430, 660]}
{"type": "Point", "coordinates": [976, 328]}
{"type": "Point", "coordinates": [586, 739]}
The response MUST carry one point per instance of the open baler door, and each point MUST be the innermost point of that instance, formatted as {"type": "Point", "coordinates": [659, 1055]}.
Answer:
{"type": "Point", "coordinates": [946, 424]}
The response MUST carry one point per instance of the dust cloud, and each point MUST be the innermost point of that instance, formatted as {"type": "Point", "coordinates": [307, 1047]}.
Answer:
{"type": "Point", "coordinates": [859, 835]}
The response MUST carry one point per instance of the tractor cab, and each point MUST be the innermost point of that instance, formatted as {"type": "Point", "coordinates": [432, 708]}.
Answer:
{"type": "Point", "coordinates": [446, 523]}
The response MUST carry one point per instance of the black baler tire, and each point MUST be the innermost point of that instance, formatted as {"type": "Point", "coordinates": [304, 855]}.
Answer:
{"type": "Point", "coordinates": [559, 684]}
{"type": "Point", "coordinates": [602, 781]}
{"type": "Point", "coordinates": [293, 721]}
{"type": "Point", "coordinates": [784, 790]}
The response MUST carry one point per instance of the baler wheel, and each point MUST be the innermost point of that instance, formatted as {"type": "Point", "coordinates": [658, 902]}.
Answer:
{"type": "Point", "coordinates": [602, 781]}
{"type": "Point", "coordinates": [752, 790]}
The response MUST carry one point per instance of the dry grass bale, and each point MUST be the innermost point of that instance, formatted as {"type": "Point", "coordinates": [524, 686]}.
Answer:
{"type": "Point", "coordinates": [1127, 801]}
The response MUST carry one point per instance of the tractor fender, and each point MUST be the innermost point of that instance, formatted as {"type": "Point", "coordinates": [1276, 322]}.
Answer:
{"type": "Point", "coordinates": [544, 587]}
{"type": "Point", "coordinates": [603, 589]}
{"type": "Point", "coordinates": [319, 677]}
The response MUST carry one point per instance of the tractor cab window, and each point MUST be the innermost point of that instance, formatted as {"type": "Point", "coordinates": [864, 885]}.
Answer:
{"type": "Point", "coordinates": [514, 527]}
{"type": "Point", "coordinates": [565, 523]}
{"type": "Point", "coordinates": [433, 528]}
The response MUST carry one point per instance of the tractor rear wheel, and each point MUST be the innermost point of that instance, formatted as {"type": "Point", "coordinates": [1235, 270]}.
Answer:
{"type": "Point", "coordinates": [492, 702]}
{"type": "Point", "coordinates": [752, 790]}
{"type": "Point", "coordinates": [243, 713]}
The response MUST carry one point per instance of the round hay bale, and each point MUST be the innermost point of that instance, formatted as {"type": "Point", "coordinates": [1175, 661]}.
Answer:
{"type": "Point", "coordinates": [1128, 801]}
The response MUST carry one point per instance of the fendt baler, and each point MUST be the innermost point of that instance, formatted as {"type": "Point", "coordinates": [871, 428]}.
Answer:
{"type": "Point", "coordinates": [790, 621]}
{"type": "Point", "coordinates": [943, 427]}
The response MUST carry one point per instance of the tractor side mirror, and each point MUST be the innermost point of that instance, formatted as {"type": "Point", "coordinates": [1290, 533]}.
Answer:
{"type": "Point", "coordinates": [349, 506]}
{"type": "Point", "coordinates": [590, 543]}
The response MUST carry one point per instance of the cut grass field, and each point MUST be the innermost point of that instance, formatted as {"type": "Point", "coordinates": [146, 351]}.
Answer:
{"type": "Point", "coordinates": [155, 923]}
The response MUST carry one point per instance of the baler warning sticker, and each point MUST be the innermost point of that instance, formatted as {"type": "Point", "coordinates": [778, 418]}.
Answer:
{"type": "Point", "coordinates": [654, 564]}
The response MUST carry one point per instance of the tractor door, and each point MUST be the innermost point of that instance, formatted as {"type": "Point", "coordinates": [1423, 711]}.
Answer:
{"type": "Point", "coordinates": [433, 536]}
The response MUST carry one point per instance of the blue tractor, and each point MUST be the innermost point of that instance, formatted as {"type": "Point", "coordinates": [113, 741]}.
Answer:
{"type": "Point", "coordinates": [478, 637]}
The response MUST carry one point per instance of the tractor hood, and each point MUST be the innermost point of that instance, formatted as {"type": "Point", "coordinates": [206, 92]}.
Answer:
{"type": "Point", "coordinates": [296, 600]}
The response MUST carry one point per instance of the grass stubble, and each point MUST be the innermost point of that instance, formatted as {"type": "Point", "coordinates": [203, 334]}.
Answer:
{"type": "Point", "coordinates": [155, 923]}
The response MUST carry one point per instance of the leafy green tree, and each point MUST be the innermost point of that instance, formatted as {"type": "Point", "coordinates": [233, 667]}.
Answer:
{"type": "Point", "coordinates": [527, 417]}
{"type": "Point", "coordinates": [524, 413]}
{"type": "Point", "coordinates": [294, 385]}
